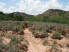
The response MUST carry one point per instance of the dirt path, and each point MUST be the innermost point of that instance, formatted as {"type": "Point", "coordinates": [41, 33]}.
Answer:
{"type": "Point", "coordinates": [34, 44]}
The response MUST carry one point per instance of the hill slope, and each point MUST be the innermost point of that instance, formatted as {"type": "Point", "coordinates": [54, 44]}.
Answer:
{"type": "Point", "coordinates": [55, 15]}
{"type": "Point", "coordinates": [51, 15]}
{"type": "Point", "coordinates": [55, 12]}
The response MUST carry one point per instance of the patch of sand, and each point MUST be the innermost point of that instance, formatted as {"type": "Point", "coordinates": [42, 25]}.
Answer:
{"type": "Point", "coordinates": [6, 40]}
{"type": "Point", "coordinates": [34, 44]}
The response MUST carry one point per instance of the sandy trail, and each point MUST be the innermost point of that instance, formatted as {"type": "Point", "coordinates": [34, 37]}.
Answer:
{"type": "Point", "coordinates": [34, 44]}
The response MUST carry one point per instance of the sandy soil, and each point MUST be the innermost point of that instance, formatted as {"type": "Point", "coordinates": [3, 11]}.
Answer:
{"type": "Point", "coordinates": [6, 40]}
{"type": "Point", "coordinates": [34, 44]}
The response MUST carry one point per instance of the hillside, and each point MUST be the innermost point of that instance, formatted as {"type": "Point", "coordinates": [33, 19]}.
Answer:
{"type": "Point", "coordinates": [51, 15]}
{"type": "Point", "coordinates": [55, 15]}
{"type": "Point", "coordinates": [55, 12]}
{"type": "Point", "coordinates": [21, 14]}
{"type": "Point", "coordinates": [16, 16]}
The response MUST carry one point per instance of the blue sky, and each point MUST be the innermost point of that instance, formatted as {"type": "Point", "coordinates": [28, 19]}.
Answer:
{"type": "Point", "coordinates": [32, 7]}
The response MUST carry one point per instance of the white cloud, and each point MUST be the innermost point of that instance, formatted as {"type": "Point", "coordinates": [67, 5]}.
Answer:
{"type": "Point", "coordinates": [67, 7]}
{"type": "Point", "coordinates": [30, 6]}
{"type": "Point", "coordinates": [2, 5]}
{"type": "Point", "coordinates": [33, 7]}
{"type": "Point", "coordinates": [9, 10]}
{"type": "Point", "coordinates": [54, 4]}
{"type": "Point", "coordinates": [36, 6]}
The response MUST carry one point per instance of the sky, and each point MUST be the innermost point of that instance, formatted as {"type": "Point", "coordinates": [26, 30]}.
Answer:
{"type": "Point", "coordinates": [32, 7]}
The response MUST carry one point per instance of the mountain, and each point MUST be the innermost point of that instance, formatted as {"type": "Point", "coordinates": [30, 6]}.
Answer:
{"type": "Point", "coordinates": [17, 16]}
{"type": "Point", "coordinates": [55, 12]}
{"type": "Point", "coordinates": [50, 13]}
{"type": "Point", "coordinates": [54, 15]}
{"type": "Point", "coordinates": [20, 14]}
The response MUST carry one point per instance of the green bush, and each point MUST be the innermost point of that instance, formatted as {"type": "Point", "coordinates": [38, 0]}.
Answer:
{"type": "Point", "coordinates": [63, 33]}
{"type": "Point", "coordinates": [2, 34]}
{"type": "Point", "coordinates": [16, 29]}
{"type": "Point", "coordinates": [57, 36]}
{"type": "Point", "coordinates": [45, 43]}
{"type": "Point", "coordinates": [2, 47]}
{"type": "Point", "coordinates": [48, 30]}
{"type": "Point", "coordinates": [21, 32]}
{"type": "Point", "coordinates": [54, 46]}
{"type": "Point", "coordinates": [16, 40]}
{"type": "Point", "coordinates": [67, 45]}
{"type": "Point", "coordinates": [43, 35]}
{"type": "Point", "coordinates": [36, 35]}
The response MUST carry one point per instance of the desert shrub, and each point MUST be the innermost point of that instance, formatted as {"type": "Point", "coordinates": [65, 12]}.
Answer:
{"type": "Point", "coordinates": [54, 42]}
{"type": "Point", "coordinates": [5, 48]}
{"type": "Point", "coordinates": [49, 29]}
{"type": "Point", "coordinates": [2, 34]}
{"type": "Point", "coordinates": [43, 35]}
{"type": "Point", "coordinates": [52, 27]}
{"type": "Point", "coordinates": [0, 39]}
{"type": "Point", "coordinates": [23, 47]}
{"type": "Point", "coordinates": [63, 33]}
{"type": "Point", "coordinates": [37, 35]}
{"type": "Point", "coordinates": [45, 43]}
{"type": "Point", "coordinates": [2, 47]}
{"type": "Point", "coordinates": [57, 36]}
{"type": "Point", "coordinates": [21, 32]}
{"type": "Point", "coordinates": [16, 29]}
{"type": "Point", "coordinates": [15, 40]}
{"type": "Point", "coordinates": [67, 45]}
{"type": "Point", "coordinates": [11, 47]}
{"type": "Point", "coordinates": [54, 46]}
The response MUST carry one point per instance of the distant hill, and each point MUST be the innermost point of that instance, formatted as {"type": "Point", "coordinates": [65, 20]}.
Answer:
{"type": "Point", "coordinates": [55, 12]}
{"type": "Point", "coordinates": [21, 14]}
{"type": "Point", "coordinates": [51, 15]}
{"type": "Point", "coordinates": [18, 16]}
{"type": "Point", "coordinates": [55, 15]}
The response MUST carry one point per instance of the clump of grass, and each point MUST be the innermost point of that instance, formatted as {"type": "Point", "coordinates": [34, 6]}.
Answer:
{"type": "Point", "coordinates": [2, 47]}
{"type": "Point", "coordinates": [43, 35]}
{"type": "Point", "coordinates": [36, 35]}
{"type": "Point", "coordinates": [14, 40]}
{"type": "Point", "coordinates": [16, 29]}
{"type": "Point", "coordinates": [45, 43]}
{"type": "Point", "coordinates": [54, 46]}
{"type": "Point", "coordinates": [57, 36]}
{"type": "Point", "coordinates": [49, 29]}
{"type": "Point", "coordinates": [2, 34]}
{"type": "Point", "coordinates": [55, 42]}
{"type": "Point", "coordinates": [67, 45]}
{"type": "Point", "coordinates": [21, 32]}
{"type": "Point", "coordinates": [63, 33]}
